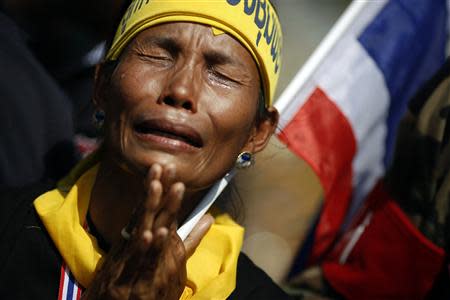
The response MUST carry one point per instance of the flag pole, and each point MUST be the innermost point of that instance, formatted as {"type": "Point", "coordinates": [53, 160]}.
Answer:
{"type": "Point", "coordinates": [213, 193]}
{"type": "Point", "coordinates": [325, 46]}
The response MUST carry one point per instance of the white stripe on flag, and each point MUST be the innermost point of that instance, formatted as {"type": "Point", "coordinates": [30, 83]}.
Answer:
{"type": "Point", "coordinates": [352, 80]}
{"type": "Point", "coordinates": [66, 282]}
{"type": "Point", "coordinates": [75, 291]}
{"type": "Point", "coordinates": [354, 20]}
{"type": "Point", "coordinates": [347, 74]}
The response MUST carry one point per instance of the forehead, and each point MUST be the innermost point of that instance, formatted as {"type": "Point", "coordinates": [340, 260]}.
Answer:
{"type": "Point", "coordinates": [196, 37]}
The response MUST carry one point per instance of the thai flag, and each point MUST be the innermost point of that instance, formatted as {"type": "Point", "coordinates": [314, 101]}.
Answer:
{"type": "Point", "coordinates": [69, 288]}
{"type": "Point", "coordinates": [341, 111]}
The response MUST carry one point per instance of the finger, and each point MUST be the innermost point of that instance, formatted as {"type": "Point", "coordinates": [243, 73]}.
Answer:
{"type": "Point", "coordinates": [154, 173]}
{"type": "Point", "coordinates": [197, 233]}
{"type": "Point", "coordinates": [152, 200]}
{"type": "Point", "coordinates": [168, 176]}
{"type": "Point", "coordinates": [161, 235]}
{"type": "Point", "coordinates": [145, 226]}
{"type": "Point", "coordinates": [172, 203]}
{"type": "Point", "coordinates": [164, 244]}
{"type": "Point", "coordinates": [143, 238]}
{"type": "Point", "coordinates": [160, 238]}
{"type": "Point", "coordinates": [130, 260]}
{"type": "Point", "coordinates": [140, 256]}
{"type": "Point", "coordinates": [171, 263]}
{"type": "Point", "coordinates": [178, 250]}
{"type": "Point", "coordinates": [164, 275]}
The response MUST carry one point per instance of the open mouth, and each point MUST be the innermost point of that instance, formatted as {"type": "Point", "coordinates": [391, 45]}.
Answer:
{"type": "Point", "coordinates": [170, 131]}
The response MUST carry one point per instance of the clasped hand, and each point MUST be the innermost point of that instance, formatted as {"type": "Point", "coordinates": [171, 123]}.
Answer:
{"type": "Point", "coordinates": [151, 264]}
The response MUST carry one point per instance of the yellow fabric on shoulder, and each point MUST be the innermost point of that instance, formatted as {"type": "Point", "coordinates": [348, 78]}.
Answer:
{"type": "Point", "coordinates": [211, 270]}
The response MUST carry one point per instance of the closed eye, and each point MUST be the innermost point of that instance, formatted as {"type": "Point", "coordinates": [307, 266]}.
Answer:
{"type": "Point", "coordinates": [158, 48]}
{"type": "Point", "coordinates": [156, 60]}
{"type": "Point", "coordinates": [221, 78]}
{"type": "Point", "coordinates": [153, 57]}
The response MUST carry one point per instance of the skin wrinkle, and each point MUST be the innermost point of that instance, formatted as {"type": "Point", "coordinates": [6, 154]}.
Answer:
{"type": "Point", "coordinates": [225, 117]}
{"type": "Point", "coordinates": [210, 90]}
{"type": "Point", "coordinates": [123, 126]}
{"type": "Point", "coordinates": [214, 56]}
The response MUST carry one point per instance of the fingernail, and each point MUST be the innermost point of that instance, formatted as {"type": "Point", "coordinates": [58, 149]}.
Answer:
{"type": "Point", "coordinates": [147, 236]}
{"type": "Point", "coordinates": [155, 170]}
{"type": "Point", "coordinates": [162, 231]}
{"type": "Point", "coordinates": [154, 184]}
{"type": "Point", "coordinates": [179, 188]}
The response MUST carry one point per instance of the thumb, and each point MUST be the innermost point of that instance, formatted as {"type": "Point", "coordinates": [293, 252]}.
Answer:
{"type": "Point", "coordinates": [196, 235]}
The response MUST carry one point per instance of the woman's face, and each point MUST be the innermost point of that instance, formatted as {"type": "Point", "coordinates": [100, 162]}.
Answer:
{"type": "Point", "coordinates": [182, 95]}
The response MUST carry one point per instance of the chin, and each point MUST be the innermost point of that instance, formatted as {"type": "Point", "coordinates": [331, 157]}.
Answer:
{"type": "Point", "coordinates": [140, 161]}
{"type": "Point", "coordinates": [191, 170]}
{"type": "Point", "coordinates": [155, 157]}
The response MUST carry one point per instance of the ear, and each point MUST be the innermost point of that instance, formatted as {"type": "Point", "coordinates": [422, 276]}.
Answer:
{"type": "Point", "coordinates": [101, 80]}
{"type": "Point", "coordinates": [261, 133]}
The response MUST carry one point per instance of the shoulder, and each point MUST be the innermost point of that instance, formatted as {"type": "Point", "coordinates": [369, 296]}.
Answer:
{"type": "Point", "coordinates": [253, 283]}
{"type": "Point", "coordinates": [14, 200]}
{"type": "Point", "coordinates": [29, 262]}
{"type": "Point", "coordinates": [16, 209]}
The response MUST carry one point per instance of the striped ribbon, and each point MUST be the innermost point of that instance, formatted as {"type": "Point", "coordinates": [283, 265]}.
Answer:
{"type": "Point", "coordinates": [69, 288]}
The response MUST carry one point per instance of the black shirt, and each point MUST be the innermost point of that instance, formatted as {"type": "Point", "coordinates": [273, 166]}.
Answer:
{"type": "Point", "coordinates": [30, 264]}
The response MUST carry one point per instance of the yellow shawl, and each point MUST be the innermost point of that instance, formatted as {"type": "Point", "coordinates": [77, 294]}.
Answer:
{"type": "Point", "coordinates": [211, 270]}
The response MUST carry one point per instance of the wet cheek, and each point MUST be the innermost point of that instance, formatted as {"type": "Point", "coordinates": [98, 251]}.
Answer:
{"type": "Point", "coordinates": [125, 97]}
{"type": "Point", "coordinates": [137, 86]}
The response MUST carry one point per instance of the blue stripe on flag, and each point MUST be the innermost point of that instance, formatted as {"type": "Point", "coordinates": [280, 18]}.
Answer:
{"type": "Point", "coordinates": [407, 41]}
{"type": "Point", "coordinates": [70, 285]}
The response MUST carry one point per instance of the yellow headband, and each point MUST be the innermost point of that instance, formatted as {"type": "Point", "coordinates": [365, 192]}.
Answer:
{"type": "Point", "coordinates": [252, 22]}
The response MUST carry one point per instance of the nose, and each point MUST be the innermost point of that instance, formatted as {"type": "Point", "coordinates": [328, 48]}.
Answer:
{"type": "Point", "coordinates": [181, 89]}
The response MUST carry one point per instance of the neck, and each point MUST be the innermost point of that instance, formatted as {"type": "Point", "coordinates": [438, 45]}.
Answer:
{"type": "Point", "coordinates": [116, 193]}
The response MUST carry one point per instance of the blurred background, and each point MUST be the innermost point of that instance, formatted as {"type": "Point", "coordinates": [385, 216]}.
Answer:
{"type": "Point", "coordinates": [281, 194]}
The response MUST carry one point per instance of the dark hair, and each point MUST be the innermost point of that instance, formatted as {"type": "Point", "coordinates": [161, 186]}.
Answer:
{"type": "Point", "coordinates": [230, 201]}
{"type": "Point", "coordinates": [262, 113]}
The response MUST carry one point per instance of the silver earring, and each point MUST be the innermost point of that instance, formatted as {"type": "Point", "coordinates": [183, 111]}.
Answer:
{"type": "Point", "coordinates": [245, 160]}
{"type": "Point", "coordinates": [99, 118]}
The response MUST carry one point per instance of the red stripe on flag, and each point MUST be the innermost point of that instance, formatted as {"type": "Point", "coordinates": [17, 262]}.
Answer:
{"type": "Point", "coordinates": [323, 137]}
{"type": "Point", "coordinates": [78, 292]}
{"type": "Point", "coordinates": [61, 281]}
